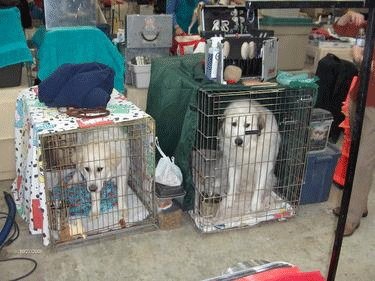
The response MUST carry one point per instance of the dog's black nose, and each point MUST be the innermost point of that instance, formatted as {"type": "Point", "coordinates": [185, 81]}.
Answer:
{"type": "Point", "coordinates": [238, 141]}
{"type": "Point", "coordinates": [93, 188]}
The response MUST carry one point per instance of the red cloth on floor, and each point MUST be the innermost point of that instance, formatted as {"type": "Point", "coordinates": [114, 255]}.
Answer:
{"type": "Point", "coordinates": [285, 274]}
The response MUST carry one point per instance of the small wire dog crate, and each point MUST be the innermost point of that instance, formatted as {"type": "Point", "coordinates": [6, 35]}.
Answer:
{"type": "Point", "coordinates": [99, 180]}
{"type": "Point", "coordinates": [248, 161]}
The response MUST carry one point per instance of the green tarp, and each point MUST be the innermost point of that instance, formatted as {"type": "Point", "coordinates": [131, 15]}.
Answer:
{"type": "Point", "coordinates": [172, 101]}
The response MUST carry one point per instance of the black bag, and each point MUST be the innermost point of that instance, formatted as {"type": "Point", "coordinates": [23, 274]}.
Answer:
{"type": "Point", "coordinates": [23, 6]}
{"type": "Point", "coordinates": [335, 76]}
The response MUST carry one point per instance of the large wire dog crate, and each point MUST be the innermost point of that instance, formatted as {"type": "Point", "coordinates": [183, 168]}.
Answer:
{"type": "Point", "coordinates": [248, 161]}
{"type": "Point", "coordinates": [99, 180]}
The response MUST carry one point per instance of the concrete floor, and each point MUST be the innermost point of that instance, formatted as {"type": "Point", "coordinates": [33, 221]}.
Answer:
{"type": "Point", "coordinates": [184, 254]}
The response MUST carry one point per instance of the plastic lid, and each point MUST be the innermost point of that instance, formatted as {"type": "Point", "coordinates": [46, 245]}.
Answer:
{"type": "Point", "coordinates": [320, 114]}
{"type": "Point", "coordinates": [276, 21]}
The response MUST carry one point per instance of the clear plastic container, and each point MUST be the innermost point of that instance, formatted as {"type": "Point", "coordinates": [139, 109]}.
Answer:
{"type": "Point", "coordinates": [64, 13]}
{"type": "Point", "coordinates": [170, 215]}
{"type": "Point", "coordinates": [320, 126]}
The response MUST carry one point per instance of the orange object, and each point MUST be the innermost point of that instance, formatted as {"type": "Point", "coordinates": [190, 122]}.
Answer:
{"type": "Point", "coordinates": [340, 172]}
{"type": "Point", "coordinates": [37, 214]}
{"type": "Point", "coordinates": [284, 274]}
{"type": "Point", "coordinates": [342, 165]}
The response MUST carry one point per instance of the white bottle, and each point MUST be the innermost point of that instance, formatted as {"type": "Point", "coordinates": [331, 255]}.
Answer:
{"type": "Point", "coordinates": [361, 38]}
{"type": "Point", "coordinates": [212, 57]}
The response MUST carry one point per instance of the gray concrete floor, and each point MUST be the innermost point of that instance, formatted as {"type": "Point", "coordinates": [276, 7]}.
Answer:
{"type": "Point", "coordinates": [184, 254]}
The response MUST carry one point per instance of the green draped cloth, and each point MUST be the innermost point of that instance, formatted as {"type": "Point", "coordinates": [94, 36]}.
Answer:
{"type": "Point", "coordinates": [172, 102]}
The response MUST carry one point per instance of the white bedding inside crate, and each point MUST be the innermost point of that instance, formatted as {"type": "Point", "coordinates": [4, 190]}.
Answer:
{"type": "Point", "coordinates": [107, 220]}
{"type": "Point", "coordinates": [238, 216]}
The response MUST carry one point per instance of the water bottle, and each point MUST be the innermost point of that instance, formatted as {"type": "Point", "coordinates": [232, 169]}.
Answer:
{"type": "Point", "coordinates": [361, 38]}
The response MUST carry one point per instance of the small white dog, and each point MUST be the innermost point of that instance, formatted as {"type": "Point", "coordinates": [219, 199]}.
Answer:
{"type": "Point", "coordinates": [102, 155]}
{"type": "Point", "coordinates": [250, 140]}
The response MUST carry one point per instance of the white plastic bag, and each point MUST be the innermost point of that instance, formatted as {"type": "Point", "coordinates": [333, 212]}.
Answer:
{"type": "Point", "coordinates": [167, 172]}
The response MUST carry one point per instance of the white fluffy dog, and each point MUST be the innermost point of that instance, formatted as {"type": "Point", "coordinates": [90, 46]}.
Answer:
{"type": "Point", "coordinates": [102, 155]}
{"type": "Point", "coordinates": [250, 140]}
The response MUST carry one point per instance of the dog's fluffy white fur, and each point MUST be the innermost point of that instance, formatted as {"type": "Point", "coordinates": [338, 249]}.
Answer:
{"type": "Point", "coordinates": [249, 139]}
{"type": "Point", "coordinates": [102, 155]}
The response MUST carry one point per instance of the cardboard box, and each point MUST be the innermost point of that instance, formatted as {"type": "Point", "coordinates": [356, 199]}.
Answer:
{"type": "Point", "coordinates": [293, 35]}
{"type": "Point", "coordinates": [315, 53]}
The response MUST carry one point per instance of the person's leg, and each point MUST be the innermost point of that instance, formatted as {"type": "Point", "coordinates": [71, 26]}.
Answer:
{"type": "Point", "coordinates": [364, 172]}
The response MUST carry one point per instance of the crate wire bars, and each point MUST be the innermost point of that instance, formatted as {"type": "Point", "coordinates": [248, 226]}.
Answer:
{"type": "Point", "coordinates": [89, 173]}
{"type": "Point", "coordinates": [215, 208]}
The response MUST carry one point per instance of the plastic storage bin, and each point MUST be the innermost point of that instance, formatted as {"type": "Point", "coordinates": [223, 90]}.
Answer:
{"type": "Point", "coordinates": [168, 201]}
{"type": "Point", "coordinates": [140, 75]}
{"type": "Point", "coordinates": [10, 76]}
{"type": "Point", "coordinates": [319, 174]}
{"type": "Point", "coordinates": [320, 126]}
{"type": "Point", "coordinates": [293, 34]}
{"type": "Point", "coordinates": [69, 13]}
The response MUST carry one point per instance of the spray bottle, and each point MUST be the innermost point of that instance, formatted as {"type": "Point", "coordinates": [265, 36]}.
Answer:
{"type": "Point", "coordinates": [212, 57]}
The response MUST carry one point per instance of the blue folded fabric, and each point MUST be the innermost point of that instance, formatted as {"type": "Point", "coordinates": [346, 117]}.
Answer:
{"type": "Point", "coordinates": [85, 85]}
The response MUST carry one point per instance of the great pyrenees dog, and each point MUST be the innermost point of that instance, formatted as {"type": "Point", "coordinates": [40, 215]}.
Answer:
{"type": "Point", "coordinates": [249, 139]}
{"type": "Point", "coordinates": [102, 156]}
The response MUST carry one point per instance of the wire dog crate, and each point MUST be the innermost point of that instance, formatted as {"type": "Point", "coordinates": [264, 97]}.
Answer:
{"type": "Point", "coordinates": [248, 161]}
{"type": "Point", "coordinates": [99, 180]}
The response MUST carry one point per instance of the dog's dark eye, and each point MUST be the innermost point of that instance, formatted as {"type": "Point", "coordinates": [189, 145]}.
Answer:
{"type": "Point", "coordinates": [99, 169]}
{"type": "Point", "coordinates": [234, 124]}
{"type": "Point", "coordinates": [87, 169]}
{"type": "Point", "coordinates": [247, 125]}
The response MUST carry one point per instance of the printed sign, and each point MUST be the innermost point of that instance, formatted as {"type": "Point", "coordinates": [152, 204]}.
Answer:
{"type": "Point", "coordinates": [230, 20]}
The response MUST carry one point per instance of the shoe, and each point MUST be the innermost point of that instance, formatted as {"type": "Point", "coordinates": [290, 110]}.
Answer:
{"type": "Point", "coordinates": [336, 212]}
{"type": "Point", "coordinates": [350, 228]}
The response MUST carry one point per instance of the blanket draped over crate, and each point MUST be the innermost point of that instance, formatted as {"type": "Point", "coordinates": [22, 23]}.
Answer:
{"type": "Point", "coordinates": [78, 45]}
{"type": "Point", "coordinates": [172, 102]}
{"type": "Point", "coordinates": [13, 46]}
